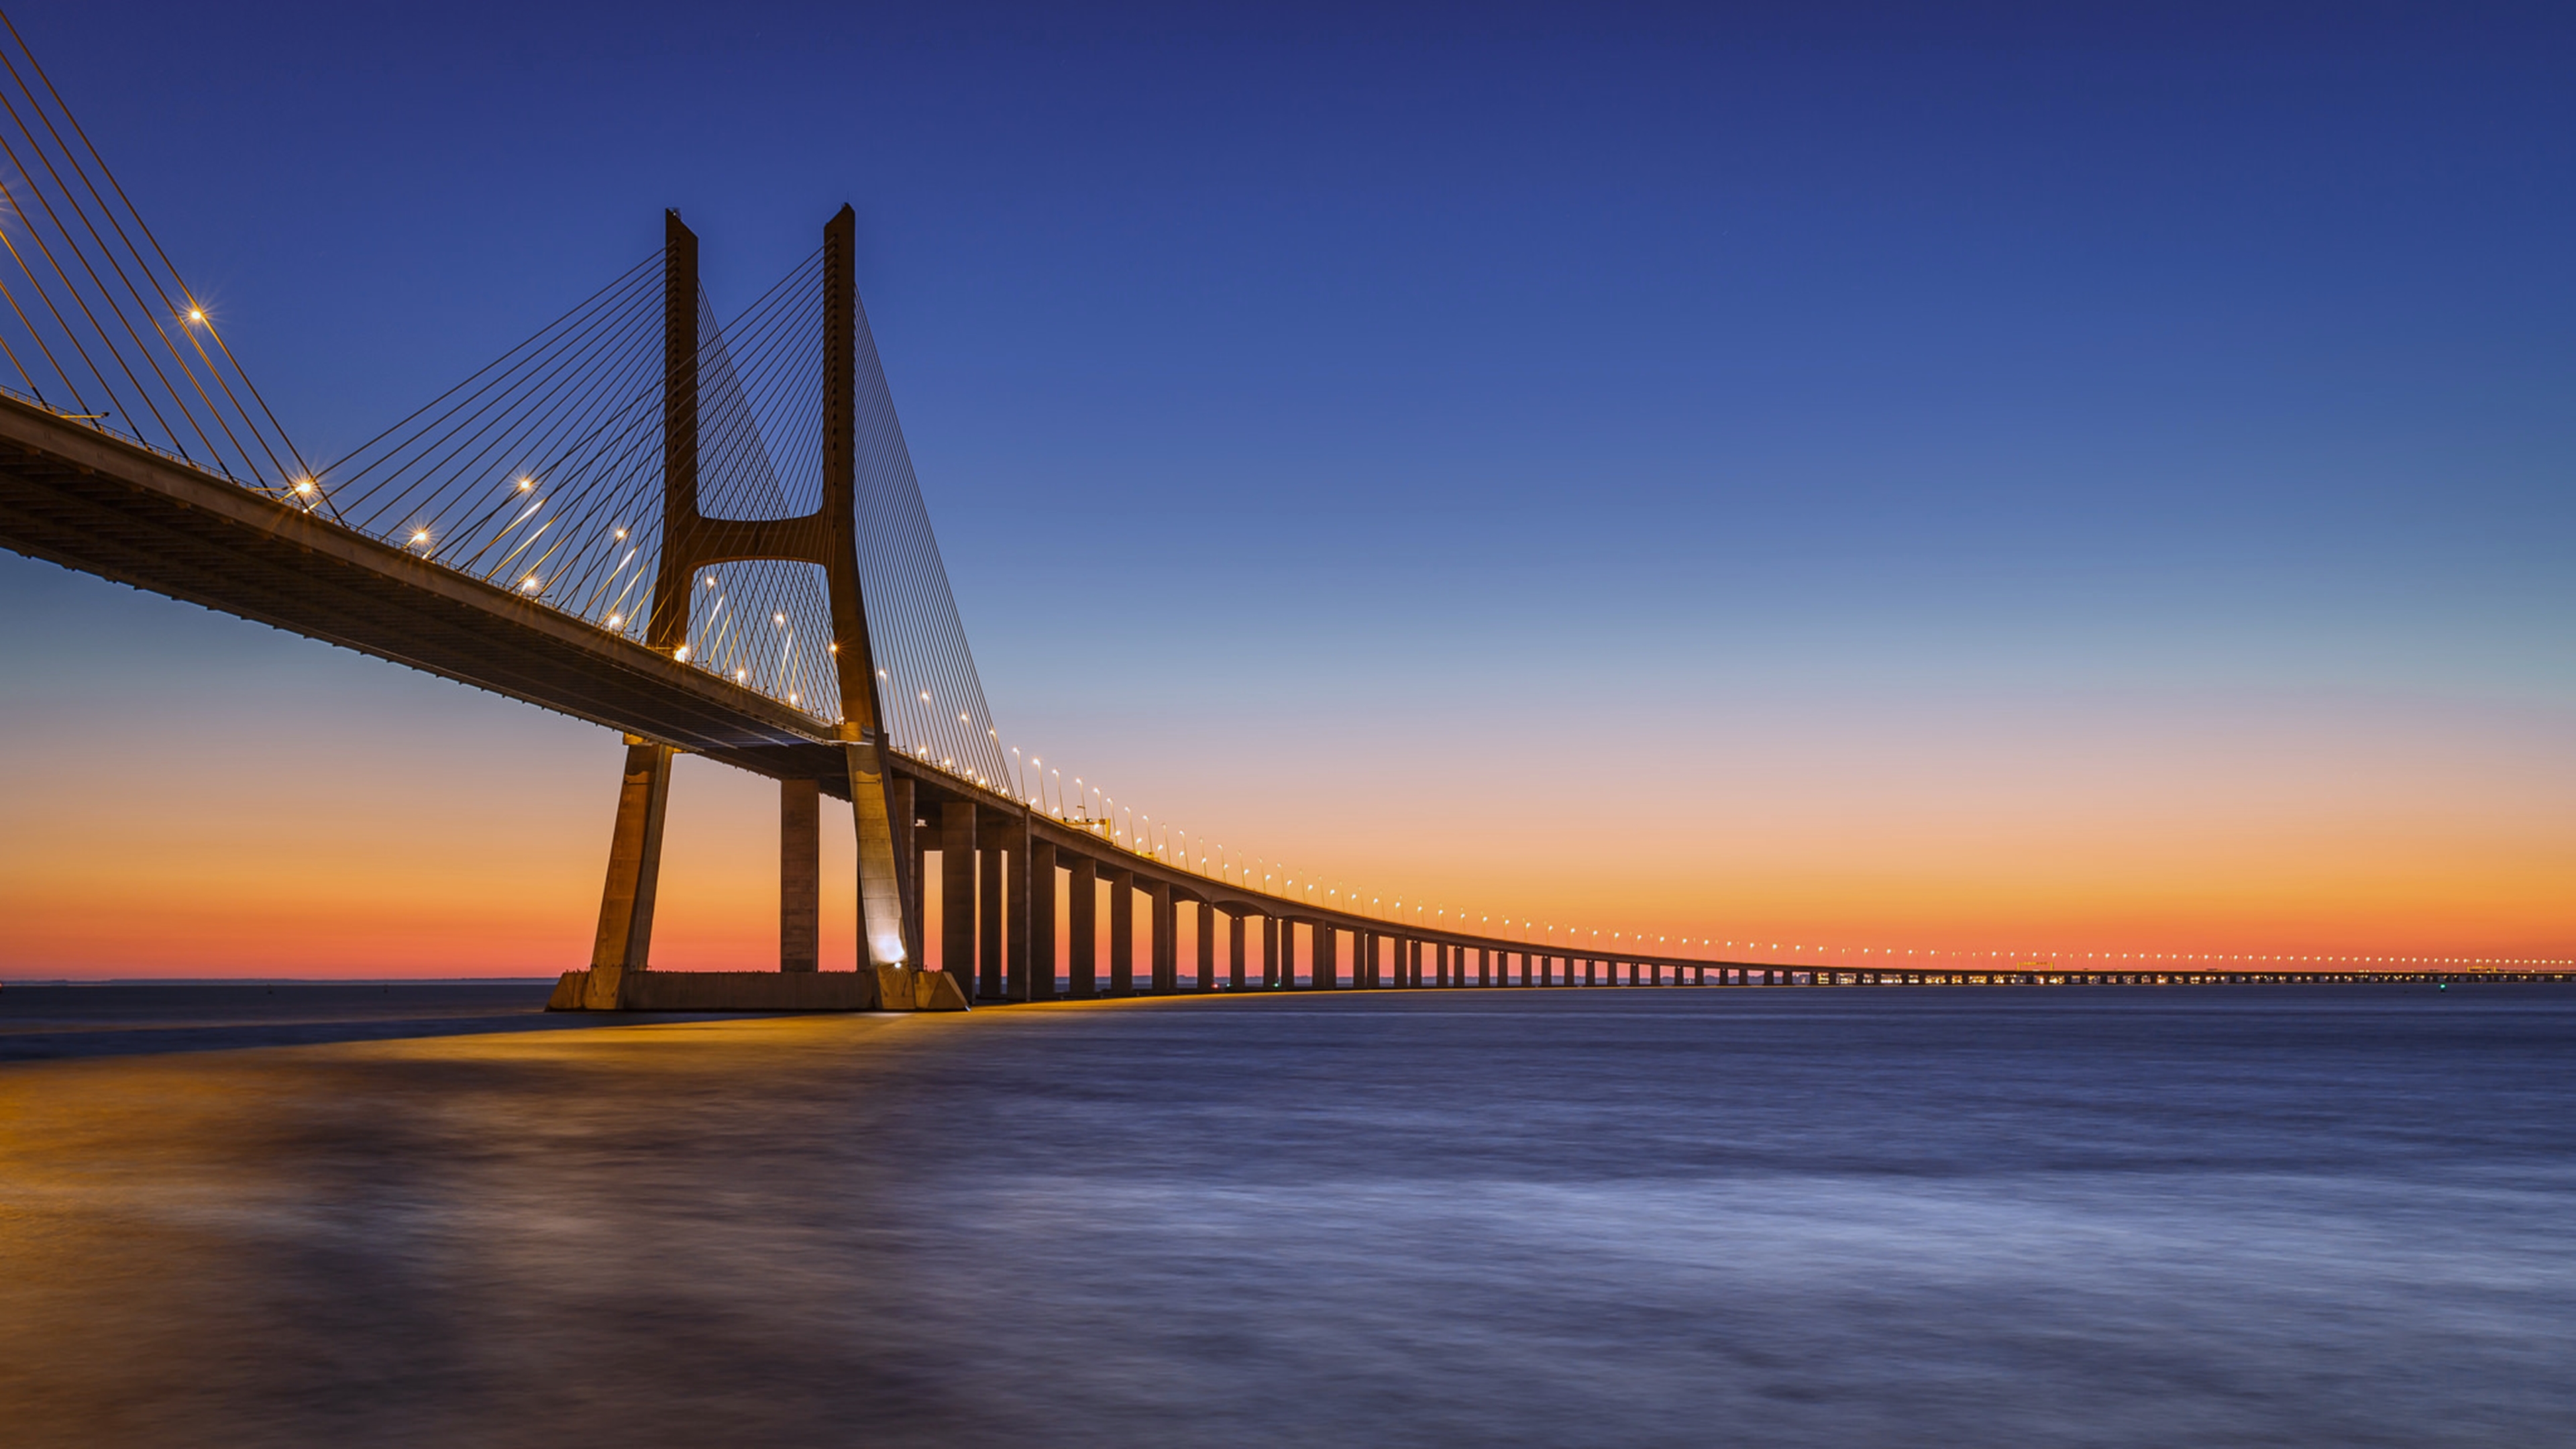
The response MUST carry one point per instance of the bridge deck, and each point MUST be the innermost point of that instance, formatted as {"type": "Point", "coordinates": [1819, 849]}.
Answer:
{"type": "Point", "coordinates": [91, 501]}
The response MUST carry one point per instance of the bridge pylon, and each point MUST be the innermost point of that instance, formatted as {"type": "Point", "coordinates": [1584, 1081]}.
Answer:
{"type": "Point", "coordinates": [620, 976]}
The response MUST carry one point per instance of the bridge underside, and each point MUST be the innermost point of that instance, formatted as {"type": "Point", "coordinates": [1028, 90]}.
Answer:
{"type": "Point", "coordinates": [89, 501]}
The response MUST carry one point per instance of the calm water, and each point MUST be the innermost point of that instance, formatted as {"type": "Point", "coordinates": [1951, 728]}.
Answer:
{"type": "Point", "coordinates": [2078, 1217]}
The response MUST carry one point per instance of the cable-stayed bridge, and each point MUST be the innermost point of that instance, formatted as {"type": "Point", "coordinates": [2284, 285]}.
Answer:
{"type": "Point", "coordinates": [705, 534]}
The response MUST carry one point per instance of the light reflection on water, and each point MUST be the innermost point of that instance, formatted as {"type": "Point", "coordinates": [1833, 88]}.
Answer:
{"type": "Point", "coordinates": [2224, 1216]}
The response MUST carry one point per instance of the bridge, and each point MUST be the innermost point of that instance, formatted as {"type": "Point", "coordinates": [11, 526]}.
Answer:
{"type": "Point", "coordinates": [707, 536]}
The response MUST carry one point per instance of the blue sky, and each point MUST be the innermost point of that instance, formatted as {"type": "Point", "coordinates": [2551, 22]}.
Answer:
{"type": "Point", "coordinates": [1396, 397]}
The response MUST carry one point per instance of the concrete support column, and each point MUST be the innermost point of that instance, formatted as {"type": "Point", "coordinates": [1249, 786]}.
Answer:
{"type": "Point", "coordinates": [957, 894]}
{"type": "Point", "coordinates": [1484, 967]}
{"type": "Point", "coordinates": [1122, 932]}
{"type": "Point", "coordinates": [1082, 916]}
{"type": "Point", "coordinates": [901, 811]}
{"type": "Point", "coordinates": [1272, 979]}
{"type": "Point", "coordinates": [988, 908]}
{"type": "Point", "coordinates": [1167, 940]}
{"type": "Point", "coordinates": [1206, 980]}
{"type": "Point", "coordinates": [1325, 971]}
{"type": "Point", "coordinates": [1234, 951]}
{"type": "Point", "coordinates": [800, 875]}
{"type": "Point", "coordinates": [1033, 920]}
{"type": "Point", "coordinates": [624, 941]}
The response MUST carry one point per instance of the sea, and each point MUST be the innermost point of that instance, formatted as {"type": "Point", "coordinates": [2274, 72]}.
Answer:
{"type": "Point", "coordinates": [402, 1215]}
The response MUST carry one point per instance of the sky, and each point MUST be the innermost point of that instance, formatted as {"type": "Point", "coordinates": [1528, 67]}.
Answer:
{"type": "Point", "coordinates": [2036, 480]}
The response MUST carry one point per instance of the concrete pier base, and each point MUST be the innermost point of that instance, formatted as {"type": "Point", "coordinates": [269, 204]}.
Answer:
{"type": "Point", "coordinates": [883, 988]}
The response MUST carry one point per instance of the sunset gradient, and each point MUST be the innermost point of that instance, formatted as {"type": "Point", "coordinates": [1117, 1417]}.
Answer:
{"type": "Point", "coordinates": [2018, 487]}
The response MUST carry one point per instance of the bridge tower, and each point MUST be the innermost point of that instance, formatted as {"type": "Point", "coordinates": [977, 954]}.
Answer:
{"type": "Point", "coordinates": [692, 541]}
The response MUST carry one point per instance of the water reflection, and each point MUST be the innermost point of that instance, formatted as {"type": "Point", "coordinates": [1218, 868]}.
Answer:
{"type": "Point", "coordinates": [2228, 1216]}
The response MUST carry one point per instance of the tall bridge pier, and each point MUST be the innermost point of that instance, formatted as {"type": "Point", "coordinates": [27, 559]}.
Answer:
{"type": "Point", "coordinates": [620, 975]}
